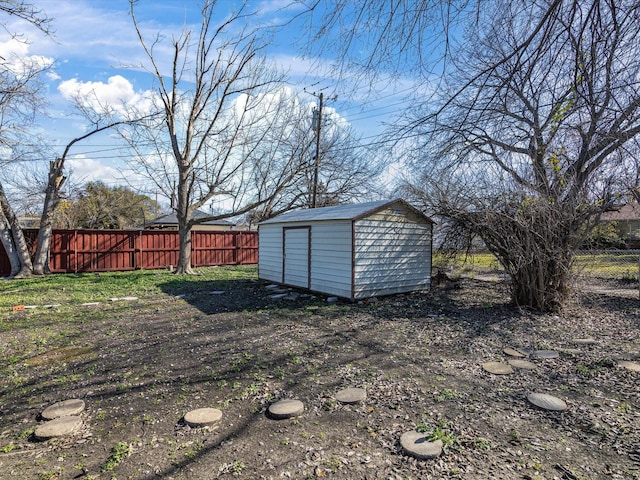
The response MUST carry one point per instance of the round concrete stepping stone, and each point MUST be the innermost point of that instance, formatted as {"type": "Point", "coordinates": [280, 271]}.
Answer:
{"type": "Point", "coordinates": [520, 363]}
{"type": "Point", "coordinates": [202, 417]}
{"type": "Point", "coordinates": [545, 354]}
{"type": "Point", "coordinates": [286, 408]}
{"type": "Point", "coordinates": [547, 402]}
{"type": "Point", "coordinates": [512, 352]}
{"type": "Point", "coordinates": [633, 366]}
{"type": "Point", "coordinates": [418, 446]}
{"type": "Point", "coordinates": [74, 406]}
{"type": "Point", "coordinates": [351, 395]}
{"type": "Point", "coordinates": [584, 341]}
{"type": "Point", "coordinates": [497, 368]}
{"type": "Point", "coordinates": [59, 427]}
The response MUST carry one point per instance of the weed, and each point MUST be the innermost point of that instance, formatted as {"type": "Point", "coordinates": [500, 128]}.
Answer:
{"type": "Point", "coordinates": [482, 444]}
{"type": "Point", "coordinates": [236, 467]}
{"type": "Point", "coordinates": [119, 452]}
{"type": "Point", "coordinates": [329, 404]}
{"type": "Point", "coordinates": [623, 408]}
{"type": "Point", "coordinates": [50, 474]}
{"type": "Point", "coordinates": [536, 465]}
{"type": "Point", "coordinates": [333, 463]}
{"type": "Point", "coordinates": [26, 433]}
{"type": "Point", "coordinates": [193, 451]}
{"type": "Point", "coordinates": [8, 448]}
{"type": "Point", "coordinates": [447, 394]}
{"type": "Point", "coordinates": [253, 389]}
{"type": "Point", "coordinates": [440, 432]}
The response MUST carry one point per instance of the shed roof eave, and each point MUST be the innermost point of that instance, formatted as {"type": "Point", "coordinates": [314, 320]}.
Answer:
{"type": "Point", "coordinates": [350, 212]}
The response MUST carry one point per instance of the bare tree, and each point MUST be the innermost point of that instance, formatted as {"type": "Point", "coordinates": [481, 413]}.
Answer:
{"type": "Point", "coordinates": [21, 98]}
{"type": "Point", "coordinates": [532, 135]}
{"type": "Point", "coordinates": [55, 181]}
{"type": "Point", "coordinates": [346, 170]}
{"type": "Point", "coordinates": [220, 118]}
{"type": "Point", "coordinates": [28, 12]}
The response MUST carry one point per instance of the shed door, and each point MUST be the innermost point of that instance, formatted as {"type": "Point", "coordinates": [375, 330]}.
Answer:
{"type": "Point", "coordinates": [296, 256]}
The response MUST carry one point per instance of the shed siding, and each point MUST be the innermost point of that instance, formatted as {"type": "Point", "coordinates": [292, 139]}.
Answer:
{"type": "Point", "coordinates": [331, 258]}
{"type": "Point", "coordinates": [391, 256]}
{"type": "Point", "coordinates": [270, 253]}
{"type": "Point", "coordinates": [351, 251]}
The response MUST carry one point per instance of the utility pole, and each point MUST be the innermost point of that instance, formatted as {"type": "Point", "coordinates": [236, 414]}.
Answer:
{"type": "Point", "coordinates": [317, 125]}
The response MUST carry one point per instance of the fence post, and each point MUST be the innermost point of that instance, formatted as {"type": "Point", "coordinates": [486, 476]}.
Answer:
{"type": "Point", "coordinates": [75, 251]}
{"type": "Point", "coordinates": [136, 248]}
{"type": "Point", "coordinates": [238, 250]}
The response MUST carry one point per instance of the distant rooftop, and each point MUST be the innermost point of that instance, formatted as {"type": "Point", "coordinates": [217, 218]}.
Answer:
{"type": "Point", "coordinates": [172, 219]}
{"type": "Point", "coordinates": [630, 211]}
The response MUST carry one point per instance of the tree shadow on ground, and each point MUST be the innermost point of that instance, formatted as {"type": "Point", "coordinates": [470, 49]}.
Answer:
{"type": "Point", "coordinates": [244, 349]}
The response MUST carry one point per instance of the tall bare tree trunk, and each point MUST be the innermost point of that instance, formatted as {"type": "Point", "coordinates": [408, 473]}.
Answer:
{"type": "Point", "coordinates": [184, 214]}
{"type": "Point", "coordinates": [17, 237]}
{"type": "Point", "coordinates": [184, 257]}
{"type": "Point", "coordinates": [9, 246]}
{"type": "Point", "coordinates": [52, 196]}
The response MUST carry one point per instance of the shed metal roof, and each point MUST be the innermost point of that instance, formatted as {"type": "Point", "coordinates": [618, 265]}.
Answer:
{"type": "Point", "coordinates": [339, 212]}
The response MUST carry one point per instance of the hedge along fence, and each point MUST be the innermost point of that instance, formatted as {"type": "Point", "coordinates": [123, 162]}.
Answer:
{"type": "Point", "coordinates": [118, 250]}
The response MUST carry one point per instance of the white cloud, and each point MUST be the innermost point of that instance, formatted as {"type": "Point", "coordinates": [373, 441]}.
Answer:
{"type": "Point", "coordinates": [16, 59]}
{"type": "Point", "coordinates": [116, 95]}
{"type": "Point", "coordinates": [287, 7]}
{"type": "Point", "coordinates": [83, 169]}
{"type": "Point", "coordinates": [86, 169]}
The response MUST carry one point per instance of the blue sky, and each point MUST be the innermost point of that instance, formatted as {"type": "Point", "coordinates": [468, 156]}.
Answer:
{"type": "Point", "coordinates": [94, 46]}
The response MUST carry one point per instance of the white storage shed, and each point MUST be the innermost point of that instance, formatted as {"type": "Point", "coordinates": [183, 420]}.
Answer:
{"type": "Point", "coordinates": [350, 251]}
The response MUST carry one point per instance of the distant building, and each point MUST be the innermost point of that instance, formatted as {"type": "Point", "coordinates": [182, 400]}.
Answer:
{"type": "Point", "coordinates": [170, 222]}
{"type": "Point", "coordinates": [627, 222]}
{"type": "Point", "coordinates": [29, 221]}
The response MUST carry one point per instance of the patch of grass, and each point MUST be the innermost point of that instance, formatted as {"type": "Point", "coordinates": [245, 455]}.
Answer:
{"type": "Point", "coordinates": [8, 448]}
{"type": "Point", "coordinates": [119, 452]}
{"type": "Point", "coordinates": [333, 463]}
{"type": "Point", "coordinates": [447, 394]}
{"type": "Point", "coordinates": [75, 289]}
{"type": "Point", "coordinates": [192, 448]}
{"type": "Point", "coordinates": [48, 475]}
{"type": "Point", "coordinates": [236, 467]}
{"type": "Point", "coordinates": [482, 444]}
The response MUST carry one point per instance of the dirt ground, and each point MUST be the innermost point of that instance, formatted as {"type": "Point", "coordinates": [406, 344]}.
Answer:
{"type": "Point", "coordinates": [140, 367]}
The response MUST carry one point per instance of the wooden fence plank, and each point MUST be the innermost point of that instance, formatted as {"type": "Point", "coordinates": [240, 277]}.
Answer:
{"type": "Point", "coordinates": [120, 250]}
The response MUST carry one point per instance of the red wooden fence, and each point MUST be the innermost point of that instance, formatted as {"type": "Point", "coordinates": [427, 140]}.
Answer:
{"type": "Point", "coordinates": [117, 250]}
